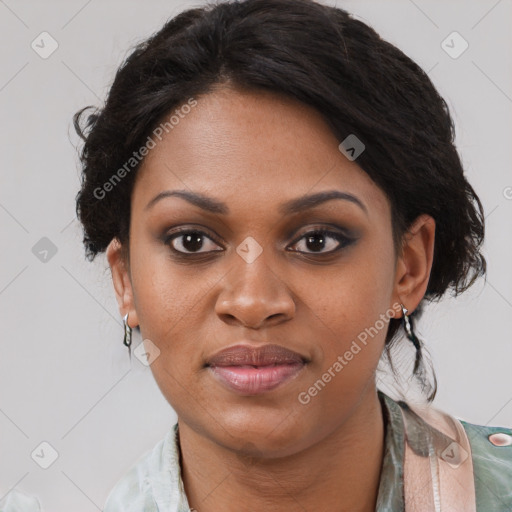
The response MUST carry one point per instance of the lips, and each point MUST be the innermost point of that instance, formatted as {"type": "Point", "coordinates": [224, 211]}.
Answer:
{"type": "Point", "coordinates": [267, 355]}
{"type": "Point", "coordinates": [253, 370]}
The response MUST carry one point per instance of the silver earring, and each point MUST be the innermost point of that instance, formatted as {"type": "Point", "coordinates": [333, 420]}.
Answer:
{"type": "Point", "coordinates": [127, 334]}
{"type": "Point", "coordinates": [409, 330]}
{"type": "Point", "coordinates": [420, 370]}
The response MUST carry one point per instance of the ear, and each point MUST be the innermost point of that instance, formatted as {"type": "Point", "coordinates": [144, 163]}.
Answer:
{"type": "Point", "coordinates": [122, 282]}
{"type": "Point", "coordinates": [415, 262]}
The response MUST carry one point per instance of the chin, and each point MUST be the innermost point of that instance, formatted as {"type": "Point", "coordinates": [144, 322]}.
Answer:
{"type": "Point", "coordinates": [254, 436]}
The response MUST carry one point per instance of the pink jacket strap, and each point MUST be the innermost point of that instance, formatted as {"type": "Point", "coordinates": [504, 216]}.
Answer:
{"type": "Point", "coordinates": [438, 467]}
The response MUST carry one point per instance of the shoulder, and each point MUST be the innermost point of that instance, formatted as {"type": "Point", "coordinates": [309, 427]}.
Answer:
{"type": "Point", "coordinates": [16, 500]}
{"type": "Point", "coordinates": [491, 452]}
{"type": "Point", "coordinates": [135, 491]}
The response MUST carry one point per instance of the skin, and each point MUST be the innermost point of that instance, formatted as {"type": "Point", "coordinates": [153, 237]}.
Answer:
{"type": "Point", "coordinates": [254, 151]}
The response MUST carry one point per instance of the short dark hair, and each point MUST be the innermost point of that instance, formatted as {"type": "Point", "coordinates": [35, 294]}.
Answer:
{"type": "Point", "coordinates": [323, 57]}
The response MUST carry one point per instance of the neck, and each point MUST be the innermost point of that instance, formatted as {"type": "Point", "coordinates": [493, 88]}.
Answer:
{"type": "Point", "coordinates": [340, 472]}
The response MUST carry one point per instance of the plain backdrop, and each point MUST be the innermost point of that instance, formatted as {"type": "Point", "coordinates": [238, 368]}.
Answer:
{"type": "Point", "coordinates": [65, 377]}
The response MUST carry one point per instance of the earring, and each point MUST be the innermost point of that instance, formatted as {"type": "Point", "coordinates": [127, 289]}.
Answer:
{"type": "Point", "coordinates": [127, 334]}
{"type": "Point", "coordinates": [419, 370]}
{"type": "Point", "coordinates": [409, 330]}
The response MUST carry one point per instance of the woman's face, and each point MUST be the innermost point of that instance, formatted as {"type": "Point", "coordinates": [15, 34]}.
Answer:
{"type": "Point", "coordinates": [251, 270]}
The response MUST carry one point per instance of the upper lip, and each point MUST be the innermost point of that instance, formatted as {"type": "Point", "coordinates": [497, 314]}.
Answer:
{"type": "Point", "coordinates": [239, 355]}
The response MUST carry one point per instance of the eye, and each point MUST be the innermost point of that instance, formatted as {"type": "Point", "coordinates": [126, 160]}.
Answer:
{"type": "Point", "coordinates": [190, 241]}
{"type": "Point", "coordinates": [319, 239]}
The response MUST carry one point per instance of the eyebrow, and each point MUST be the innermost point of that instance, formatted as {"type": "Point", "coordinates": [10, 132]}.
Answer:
{"type": "Point", "coordinates": [290, 207]}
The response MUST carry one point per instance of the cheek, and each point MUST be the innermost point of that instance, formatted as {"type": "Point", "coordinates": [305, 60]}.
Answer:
{"type": "Point", "coordinates": [349, 354]}
{"type": "Point", "coordinates": [355, 305]}
{"type": "Point", "coordinates": [169, 310]}
{"type": "Point", "coordinates": [174, 304]}
{"type": "Point", "coordinates": [163, 297]}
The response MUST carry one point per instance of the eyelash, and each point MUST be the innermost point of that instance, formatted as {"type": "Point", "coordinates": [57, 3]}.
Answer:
{"type": "Point", "coordinates": [342, 240]}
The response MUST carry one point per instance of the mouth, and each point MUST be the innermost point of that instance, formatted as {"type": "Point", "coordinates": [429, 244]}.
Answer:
{"type": "Point", "coordinates": [252, 370]}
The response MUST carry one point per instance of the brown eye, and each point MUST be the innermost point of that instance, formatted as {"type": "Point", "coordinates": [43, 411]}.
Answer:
{"type": "Point", "coordinates": [191, 242]}
{"type": "Point", "coordinates": [322, 242]}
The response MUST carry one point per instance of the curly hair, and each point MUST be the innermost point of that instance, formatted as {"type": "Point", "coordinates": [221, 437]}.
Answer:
{"type": "Point", "coordinates": [323, 57]}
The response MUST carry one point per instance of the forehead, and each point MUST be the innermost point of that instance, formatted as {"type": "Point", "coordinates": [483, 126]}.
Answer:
{"type": "Point", "coordinates": [251, 147]}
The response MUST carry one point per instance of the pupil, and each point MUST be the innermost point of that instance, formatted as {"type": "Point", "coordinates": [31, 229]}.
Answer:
{"type": "Point", "coordinates": [313, 237]}
{"type": "Point", "coordinates": [192, 242]}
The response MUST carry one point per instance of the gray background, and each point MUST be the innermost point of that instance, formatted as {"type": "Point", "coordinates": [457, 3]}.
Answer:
{"type": "Point", "coordinates": [65, 377]}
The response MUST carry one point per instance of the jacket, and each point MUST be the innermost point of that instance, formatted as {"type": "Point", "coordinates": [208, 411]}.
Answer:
{"type": "Point", "coordinates": [154, 484]}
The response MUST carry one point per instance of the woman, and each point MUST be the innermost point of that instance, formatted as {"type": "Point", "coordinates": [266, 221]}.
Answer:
{"type": "Point", "coordinates": [278, 193]}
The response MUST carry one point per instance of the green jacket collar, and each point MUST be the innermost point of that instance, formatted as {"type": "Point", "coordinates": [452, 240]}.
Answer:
{"type": "Point", "coordinates": [391, 487]}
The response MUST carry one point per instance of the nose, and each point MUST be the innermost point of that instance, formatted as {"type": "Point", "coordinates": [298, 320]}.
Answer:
{"type": "Point", "coordinates": [254, 295]}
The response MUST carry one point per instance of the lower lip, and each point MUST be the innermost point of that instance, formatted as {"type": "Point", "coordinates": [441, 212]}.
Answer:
{"type": "Point", "coordinates": [253, 381]}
